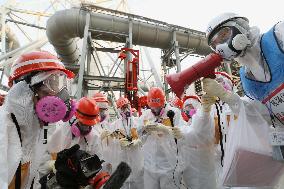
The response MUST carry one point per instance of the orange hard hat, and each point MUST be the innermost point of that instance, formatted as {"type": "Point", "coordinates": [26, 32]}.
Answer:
{"type": "Point", "coordinates": [176, 102]}
{"type": "Point", "coordinates": [121, 102]}
{"type": "Point", "coordinates": [156, 97]}
{"type": "Point", "coordinates": [36, 61]}
{"type": "Point", "coordinates": [87, 111]}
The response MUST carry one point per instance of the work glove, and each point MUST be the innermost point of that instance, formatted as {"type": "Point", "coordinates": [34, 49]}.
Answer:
{"type": "Point", "coordinates": [105, 133]}
{"type": "Point", "coordinates": [50, 166]}
{"type": "Point", "coordinates": [213, 88]}
{"type": "Point", "coordinates": [176, 132]}
{"type": "Point", "coordinates": [136, 143]}
{"type": "Point", "coordinates": [207, 101]}
{"type": "Point", "coordinates": [124, 142]}
{"type": "Point", "coordinates": [157, 127]}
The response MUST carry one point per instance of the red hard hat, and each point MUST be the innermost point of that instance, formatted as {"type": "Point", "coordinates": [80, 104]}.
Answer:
{"type": "Point", "coordinates": [121, 102]}
{"type": "Point", "coordinates": [87, 111]}
{"type": "Point", "coordinates": [36, 61]}
{"type": "Point", "coordinates": [176, 102]}
{"type": "Point", "coordinates": [156, 98]}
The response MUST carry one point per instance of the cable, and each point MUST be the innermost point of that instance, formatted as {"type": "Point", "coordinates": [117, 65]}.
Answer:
{"type": "Point", "coordinates": [221, 136]}
{"type": "Point", "coordinates": [171, 115]}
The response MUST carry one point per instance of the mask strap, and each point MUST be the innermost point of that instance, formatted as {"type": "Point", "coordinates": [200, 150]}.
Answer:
{"type": "Point", "coordinates": [162, 111]}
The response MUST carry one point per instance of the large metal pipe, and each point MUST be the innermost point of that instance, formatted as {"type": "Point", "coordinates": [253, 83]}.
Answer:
{"type": "Point", "coordinates": [64, 26]}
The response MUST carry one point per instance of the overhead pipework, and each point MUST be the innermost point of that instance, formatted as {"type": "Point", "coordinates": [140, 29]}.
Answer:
{"type": "Point", "coordinates": [109, 25]}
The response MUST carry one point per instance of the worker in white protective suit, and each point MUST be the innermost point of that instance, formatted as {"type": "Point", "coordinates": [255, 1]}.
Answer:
{"type": "Point", "coordinates": [103, 105]}
{"type": "Point", "coordinates": [79, 130]}
{"type": "Point", "coordinates": [190, 105]}
{"type": "Point", "coordinates": [38, 96]}
{"type": "Point", "coordinates": [197, 148]}
{"type": "Point", "coordinates": [261, 57]}
{"type": "Point", "coordinates": [160, 148]}
{"type": "Point", "coordinates": [103, 128]}
{"type": "Point", "coordinates": [223, 118]}
{"type": "Point", "coordinates": [124, 132]}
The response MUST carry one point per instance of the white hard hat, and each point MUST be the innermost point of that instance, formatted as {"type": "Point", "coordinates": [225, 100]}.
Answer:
{"type": "Point", "coordinates": [220, 20]}
{"type": "Point", "coordinates": [193, 100]}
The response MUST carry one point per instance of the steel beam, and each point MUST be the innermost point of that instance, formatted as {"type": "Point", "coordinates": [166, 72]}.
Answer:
{"type": "Point", "coordinates": [3, 31]}
{"type": "Point", "coordinates": [26, 24]}
{"type": "Point", "coordinates": [106, 88]}
{"type": "Point", "coordinates": [176, 49]}
{"type": "Point", "coordinates": [83, 57]}
{"type": "Point", "coordinates": [103, 78]}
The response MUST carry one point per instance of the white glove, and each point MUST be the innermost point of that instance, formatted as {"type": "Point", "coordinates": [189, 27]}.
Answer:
{"type": "Point", "coordinates": [124, 142]}
{"type": "Point", "coordinates": [157, 127]}
{"type": "Point", "coordinates": [136, 143]}
{"type": "Point", "coordinates": [207, 102]}
{"type": "Point", "coordinates": [213, 88]}
{"type": "Point", "coordinates": [49, 165]}
{"type": "Point", "coordinates": [105, 133]}
{"type": "Point", "coordinates": [176, 132]}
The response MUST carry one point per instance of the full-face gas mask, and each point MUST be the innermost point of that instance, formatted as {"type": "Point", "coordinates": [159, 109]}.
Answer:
{"type": "Point", "coordinates": [54, 102]}
{"type": "Point", "coordinates": [229, 41]}
{"type": "Point", "coordinates": [190, 106]}
{"type": "Point", "coordinates": [189, 110]}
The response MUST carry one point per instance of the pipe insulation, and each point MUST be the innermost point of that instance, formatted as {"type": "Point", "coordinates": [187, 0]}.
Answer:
{"type": "Point", "coordinates": [66, 25]}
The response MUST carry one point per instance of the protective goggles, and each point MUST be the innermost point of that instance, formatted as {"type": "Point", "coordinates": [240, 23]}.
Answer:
{"type": "Point", "coordinates": [222, 36]}
{"type": "Point", "coordinates": [56, 82]}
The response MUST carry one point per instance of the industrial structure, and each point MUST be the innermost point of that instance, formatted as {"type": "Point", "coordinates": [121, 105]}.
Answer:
{"type": "Point", "coordinates": [100, 28]}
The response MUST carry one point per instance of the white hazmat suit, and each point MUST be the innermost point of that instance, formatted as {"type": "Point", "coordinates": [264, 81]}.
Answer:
{"type": "Point", "coordinates": [19, 101]}
{"type": "Point", "coordinates": [160, 152]}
